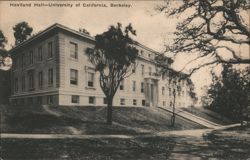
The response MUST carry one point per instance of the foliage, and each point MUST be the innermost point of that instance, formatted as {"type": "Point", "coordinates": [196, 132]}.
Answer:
{"type": "Point", "coordinates": [22, 31]}
{"type": "Point", "coordinates": [230, 93]}
{"type": "Point", "coordinates": [3, 40]}
{"type": "Point", "coordinates": [114, 57]}
{"type": "Point", "coordinates": [83, 30]}
{"type": "Point", "coordinates": [175, 78]}
{"type": "Point", "coordinates": [210, 28]}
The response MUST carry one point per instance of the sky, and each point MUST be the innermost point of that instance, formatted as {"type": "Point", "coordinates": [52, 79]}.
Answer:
{"type": "Point", "coordinates": [154, 29]}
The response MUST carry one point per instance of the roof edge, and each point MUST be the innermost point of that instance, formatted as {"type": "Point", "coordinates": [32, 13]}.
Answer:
{"type": "Point", "coordinates": [55, 25]}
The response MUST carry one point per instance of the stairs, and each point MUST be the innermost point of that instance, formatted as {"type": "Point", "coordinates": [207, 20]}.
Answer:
{"type": "Point", "coordinates": [191, 117]}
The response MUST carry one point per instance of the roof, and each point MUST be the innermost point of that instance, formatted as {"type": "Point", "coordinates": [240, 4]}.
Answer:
{"type": "Point", "coordinates": [57, 25]}
{"type": "Point", "coordinates": [52, 27]}
{"type": "Point", "coordinates": [62, 27]}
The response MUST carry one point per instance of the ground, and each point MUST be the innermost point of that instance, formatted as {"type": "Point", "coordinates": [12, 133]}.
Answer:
{"type": "Point", "coordinates": [208, 114]}
{"type": "Point", "coordinates": [87, 120]}
{"type": "Point", "coordinates": [143, 134]}
{"type": "Point", "coordinates": [215, 145]}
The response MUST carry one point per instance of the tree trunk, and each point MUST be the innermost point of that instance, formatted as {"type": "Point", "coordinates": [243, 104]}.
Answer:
{"type": "Point", "coordinates": [109, 110]}
{"type": "Point", "coordinates": [173, 116]}
{"type": "Point", "coordinates": [241, 117]}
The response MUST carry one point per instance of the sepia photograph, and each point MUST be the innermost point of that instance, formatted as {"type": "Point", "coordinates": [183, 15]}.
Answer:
{"type": "Point", "coordinates": [124, 79]}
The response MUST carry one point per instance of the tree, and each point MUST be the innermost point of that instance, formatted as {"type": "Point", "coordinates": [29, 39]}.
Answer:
{"type": "Point", "coordinates": [114, 57]}
{"type": "Point", "coordinates": [230, 93]}
{"type": "Point", "coordinates": [175, 78]}
{"type": "Point", "coordinates": [83, 30]}
{"type": "Point", "coordinates": [212, 28]}
{"type": "Point", "coordinates": [4, 57]}
{"type": "Point", "coordinates": [22, 31]}
{"type": "Point", "coordinates": [3, 40]}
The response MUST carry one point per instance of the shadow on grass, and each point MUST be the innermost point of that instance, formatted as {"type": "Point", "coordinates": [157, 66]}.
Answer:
{"type": "Point", "coordinates": [89, 149]}
{"type": "Point", "coordinates": [229, 146]}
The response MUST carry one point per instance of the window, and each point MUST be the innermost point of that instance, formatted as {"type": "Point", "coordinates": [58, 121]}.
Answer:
{"type": "Point", "coordinates": [183, 93]}
{"type": "Point", "coordinates": [105, 100]}
{"type": "Point", "coordinates": [31, 57]}
{"type": "Point", "coordinates": [40, 79]}
{"type": "Point", "coordinates": [73, 50]}
{"type": "Point", "coordinates": [89, 50]}
{"type": "Point", "coordinates": [164, 103]}
{"type": "Point", "coordinates": [39, 100]}
{"type": "Point", "coordinates": [142, 69]}
{"type": "Point", "coordinates": [22, 60]}
{"type": "Point", "coordinates": [170, 92]}
{"type": "Point", "coordinates": [142, 87]}
{"type": "Point", "coordinates": [134, 86]}
{"type": "Point", "coordinates": [22, 101]}
{"type": "Point", "coordinates": [73, 76]}
{"type": "Point", "coordinates": [163, 90]}
{"type": "Point", "coordinates": [143, 102]}
{"type": "Point", "coordinates": [30, 100]}
{"type": "Point", "coordinates": [91, 79]}
{"type": "Point", "coordinates": [40, 54]}
{"type": "Point", "coordinates": [122, 101]}
{"type": "Point", "coordinates": [150, 71]}
{"type": "Point", "coordinates": [31, 79]}
{"type": "Point", "coordinates": [91, 100]}
{"type": "Point", "coordinates": [171, 104]}
{"type": "Point", "coordinates": [134, 69]}
{"type": "Point", "coordinates": [16, 84]}
{"type": "Point", "coordinates": [50, 76]}
{"type": "Point", "coordinates": [149, 55]}
{"type": "Point", "coordinates": [74, 99]}
{"type": "Point", "coordinates": [134, 102]}
{"type": "Point", "coordinates": [23, 83]}
{"type": "Point", "coordinates": [50, 49]}
{"type": "Point", "coordinates": [49, 99]}
{"type": "Point", "coordinates": [14, 63]}
{"type": "Point", "coordinates": [122, 85]}
{"type": "Point", "coordinates": [142, 52]}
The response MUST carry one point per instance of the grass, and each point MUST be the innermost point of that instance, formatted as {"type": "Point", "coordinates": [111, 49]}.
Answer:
{"type": "Point", "coordinates": [230, 144]}
{"type": "Point", "coordinates": [209, 115]}
{"type": "Point", "coordinates": [87, 149]}
{"type": "Point", "coordinates": [216, 145]}
{"type": "Point", "coordinates": [87, 120]}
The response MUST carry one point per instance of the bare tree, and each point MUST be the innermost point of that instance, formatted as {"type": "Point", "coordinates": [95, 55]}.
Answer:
{"type": "Point", "coordinates": [114, 57]}
{"type": "Point", "coordinates": [213, 28]}
{"type": "Point", "coordinates": [175, 78]}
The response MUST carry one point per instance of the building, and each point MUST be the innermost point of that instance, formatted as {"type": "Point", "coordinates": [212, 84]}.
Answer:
{"type": "Point", "coordinates": [52, 68]}
{"type": "Point", "coordinates": [4, 82]}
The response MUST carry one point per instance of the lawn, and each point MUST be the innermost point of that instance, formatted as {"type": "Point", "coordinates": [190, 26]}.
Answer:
{"type": "Point", "coordinates": [231, 144]}
{"type": "Point", "coordinates": [221, 145]}
{"type": "Point", "coordinates": [87, 120]}
{"type": "Point", "coordinates": [209, 115]}
{"type": "Point", "coordinates": [87, 149]}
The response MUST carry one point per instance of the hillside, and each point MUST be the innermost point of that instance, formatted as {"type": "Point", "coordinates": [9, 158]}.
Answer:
{"type": "Point", "coordinates": [87, 120]}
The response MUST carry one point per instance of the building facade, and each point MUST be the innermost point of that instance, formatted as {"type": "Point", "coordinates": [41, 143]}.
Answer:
{"type": "Point", "coordinates": [52, 67]}
{"type": "Point", "coordinates": [4, 82]}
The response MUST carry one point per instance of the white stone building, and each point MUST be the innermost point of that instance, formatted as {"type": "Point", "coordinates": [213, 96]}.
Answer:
{"type": "Point", "coordinates": [52, 68]}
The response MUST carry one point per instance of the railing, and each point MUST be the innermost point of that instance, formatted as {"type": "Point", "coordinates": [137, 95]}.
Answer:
{"type": "Point", "coordinates": [153, 75]}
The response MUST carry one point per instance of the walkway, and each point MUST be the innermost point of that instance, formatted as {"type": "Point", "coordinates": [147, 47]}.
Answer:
{"type": "Point", "coordinates": [194, 133]}
{"type": "Point", "coordinates": [192, 117]}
